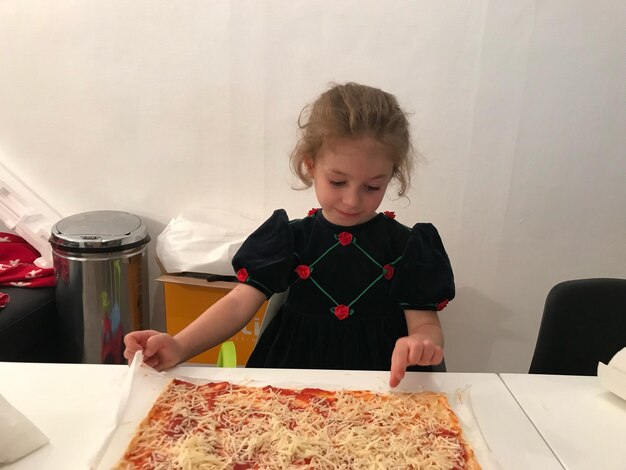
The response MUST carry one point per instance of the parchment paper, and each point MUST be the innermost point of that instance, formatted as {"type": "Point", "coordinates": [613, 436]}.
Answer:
{"type": "Point", "coordinates": [143, 386]}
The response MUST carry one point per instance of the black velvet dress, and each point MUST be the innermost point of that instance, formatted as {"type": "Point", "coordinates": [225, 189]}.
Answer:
{"type": "Point", "coordinates": [348, 288]}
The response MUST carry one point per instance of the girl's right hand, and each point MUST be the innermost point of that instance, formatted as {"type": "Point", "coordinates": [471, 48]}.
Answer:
{"type": "Point", "coordinates": [160, 350]}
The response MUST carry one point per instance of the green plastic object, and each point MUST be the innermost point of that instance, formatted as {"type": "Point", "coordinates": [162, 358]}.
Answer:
{"type": "Point", "coordinates": [227, 356]}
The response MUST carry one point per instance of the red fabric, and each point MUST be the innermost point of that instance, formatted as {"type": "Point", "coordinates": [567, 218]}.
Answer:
{"type": "Point", "coordinates": [242, 275]}
{"type": "Point", "coordinates": [388, 271]}
{"type": "Point", "coordinates": [303, 271]}
{"type": "Point", "coordinates": [345, 238]}
{"type": "Point", "coordinates": [342, 312]}
{"type": "Point", "coordinates": [16, 264]}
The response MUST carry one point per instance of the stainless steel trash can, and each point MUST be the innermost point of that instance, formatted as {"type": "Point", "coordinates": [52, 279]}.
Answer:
{"type": "Point", "coordinates": [102, 289]}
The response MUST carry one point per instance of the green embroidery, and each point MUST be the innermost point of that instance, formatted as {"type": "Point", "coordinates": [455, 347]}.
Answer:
{"type": "Point", "coordinates": [323, 254]}
{"type": "Point", "coordinates": [367, 254]}
{"type": "Point", "coordinates": [366, 289]}
{"type": "Point", "coordinates": [322, 289]}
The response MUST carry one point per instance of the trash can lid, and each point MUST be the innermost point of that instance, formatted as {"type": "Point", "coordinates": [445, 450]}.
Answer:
{"type": "Point", "coordinates": [99, 231]}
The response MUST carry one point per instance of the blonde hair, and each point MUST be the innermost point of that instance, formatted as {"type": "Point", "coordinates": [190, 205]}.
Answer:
{"type": "Point", "coordinates": [352, 110]}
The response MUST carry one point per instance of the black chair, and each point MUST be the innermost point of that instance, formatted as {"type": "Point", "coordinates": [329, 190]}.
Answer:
{"type": "Point", "coordinates": [584, 322]}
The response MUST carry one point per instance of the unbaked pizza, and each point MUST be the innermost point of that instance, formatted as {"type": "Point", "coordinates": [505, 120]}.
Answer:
{"type": "Point", "coordinates": [229, 426]}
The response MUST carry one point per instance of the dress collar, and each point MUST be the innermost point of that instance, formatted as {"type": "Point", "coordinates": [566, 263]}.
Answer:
{"type": "Point", "coordinates": [347, 228]}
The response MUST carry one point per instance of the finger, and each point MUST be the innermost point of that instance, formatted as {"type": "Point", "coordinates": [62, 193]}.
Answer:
{"type": "Point", "coordinates": [395, 379]}
{"type": "Point", "coordinates": [130, 341]}
{"type": "Point", "coordinates": [416, 353]}
{"type": "Point", "coordinates": [129, 354]}
{"type": "Point", "coordinates": [133, 342]}
{"type": "Point", "coordinates": [399, 361]}
{"type": "Point", "coordinates": [143, 335]}
{"type": "Point", "coordinates": [438, 356]}
{"type": "Point", "coordinates": [428, 351]}
{"type": "Point", "coordinates": [432, 355]}
{"type": "Point", "coordinates": [131, 348]}
{"type": "Point", "coordinates": [154, 344]}
{"type": "Point", "coordinates": [138, 339]}
{"type": "Point", "coordinates": [152, 362]}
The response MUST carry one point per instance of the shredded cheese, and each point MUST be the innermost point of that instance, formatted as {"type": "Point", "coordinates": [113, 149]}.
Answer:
{"type": "Point", "coordinates": [227, 426]}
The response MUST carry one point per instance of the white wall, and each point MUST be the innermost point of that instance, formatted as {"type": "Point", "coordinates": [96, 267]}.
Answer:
{"type": "Point", "coordinates": [156, 107]}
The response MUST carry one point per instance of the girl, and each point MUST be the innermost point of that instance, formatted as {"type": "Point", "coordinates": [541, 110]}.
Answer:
{"type": "Point", "coordinates": [364, 290]}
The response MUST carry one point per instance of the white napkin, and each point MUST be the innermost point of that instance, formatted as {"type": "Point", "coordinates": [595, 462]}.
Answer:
{"type": "Point", "coordinates": [19, 435]}
{"type": "Point", "coordinates": [613, 375]}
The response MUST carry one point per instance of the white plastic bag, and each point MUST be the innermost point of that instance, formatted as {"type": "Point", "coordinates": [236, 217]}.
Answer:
{"type": "Point", "coordinates": [203, 241]}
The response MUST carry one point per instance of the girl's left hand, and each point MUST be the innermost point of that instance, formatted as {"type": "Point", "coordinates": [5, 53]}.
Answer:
{"type": "Point", "coordinates": [416, 349]}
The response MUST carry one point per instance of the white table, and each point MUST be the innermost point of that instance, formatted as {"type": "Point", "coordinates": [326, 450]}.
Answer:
{"type": "Point", "coordinates": [73, 406]}
{"type": "Point", "coordinates": [583, 423]}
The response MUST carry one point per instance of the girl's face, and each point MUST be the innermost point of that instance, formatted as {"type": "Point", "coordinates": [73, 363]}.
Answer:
{"type": "Point", "coordinates": [350, 178]}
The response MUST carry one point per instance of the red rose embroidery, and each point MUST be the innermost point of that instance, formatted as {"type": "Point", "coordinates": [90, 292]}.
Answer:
{"type": "Point", "coordinates": [390, 214]}
{"type": "Point", "coordinates": [388, 271]}
{"type": "Point", "coordinates": [345, 238]}
{"type": "Point", "coordinates": [312, 212]}
{"type": "Point", "coordinates": [242, 275]}
{"type": "Point", "coordinates": [342, 312]}
{"type": "Point", "coordinates": [303, 271]}
{"type": "Point", "coordinates": [441, 305]}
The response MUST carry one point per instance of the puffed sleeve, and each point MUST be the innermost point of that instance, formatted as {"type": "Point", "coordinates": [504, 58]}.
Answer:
{"type": "Point", "coordinates": [266, 260]}
{"type": "Point", "coordinates": [423, 278]}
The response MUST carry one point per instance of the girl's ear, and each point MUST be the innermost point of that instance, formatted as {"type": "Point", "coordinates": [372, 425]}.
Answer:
{"type": "Point", "coordinates": [309, 166]}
